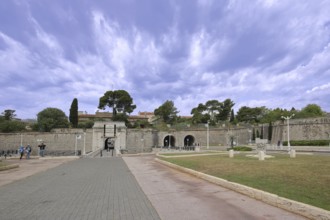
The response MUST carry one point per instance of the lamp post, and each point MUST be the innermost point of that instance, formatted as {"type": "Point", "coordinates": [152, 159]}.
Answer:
{"type": "Point", "coordinates": [84, 149]}
{"type": "Point", "coordinates": [288, 124]}
{"type": "Point", "coordinates": [207, 134]}
{"type": "Point", "coordinates": [142, 145]}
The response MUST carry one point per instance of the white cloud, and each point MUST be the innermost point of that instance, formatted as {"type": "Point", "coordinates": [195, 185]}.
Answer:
{"type": "Point", "coordinates": [320, 88]}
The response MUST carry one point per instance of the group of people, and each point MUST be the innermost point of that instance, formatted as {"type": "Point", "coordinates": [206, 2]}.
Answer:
{"type": "Point", "coordinates": [28, 149]}
{"type": "Point", "coordinates": [25, 150]}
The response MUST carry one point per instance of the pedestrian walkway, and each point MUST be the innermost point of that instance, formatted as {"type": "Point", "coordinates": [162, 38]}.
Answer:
{"type": "Point", "coordinates": [177, 195]}
{"type": "Point", "coordinates": [90, 188]}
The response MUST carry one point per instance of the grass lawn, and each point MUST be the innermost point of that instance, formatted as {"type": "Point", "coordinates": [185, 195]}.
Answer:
{"type": "Point", "coordinates": [305, 178]}
{"type": "Point", "coordinates": [191, 153]}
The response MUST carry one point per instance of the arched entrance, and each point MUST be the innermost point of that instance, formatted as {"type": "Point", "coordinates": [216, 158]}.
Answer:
{"type": "Point", "coordinates": [189, 140]}
{"type": "Point", "coordinates": [169, 141]}
{"type": "Point", "coordinates": [109, 144]}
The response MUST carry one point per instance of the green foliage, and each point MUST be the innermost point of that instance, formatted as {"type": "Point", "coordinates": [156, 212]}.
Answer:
{"type": "Point", "coordinates": [240, 148]}
{"type": "Point", "coordinates": [251, 115]}
{"type": "Point", "coordinates": [73, 117]}
{"type": "Point", "coordinates": [120, 117]}
{"type": "Point", "coordinates": [270, 131]}
{"type": "Point", "coordinates": [225, 111]}
{"type": "Point", "coordinates": [11, 126]}
{"type": "Point", "coordinates": [8, 114]}
{"type": "Point", "coordinates": [307, 143]}
{"type": "Point", "coordinates": [119, 100]}
{"type": "Point", "coordinates": [86, 124]}
{"type": "Point", "coordinates": [140, 124]}
{"type": "Point", "coordinates": [264, 115]}
{"type": "Point", "coordinates": [213, 111]}
{"type": "Point", "coordinates": [232, 116]}
{"type": "Point", "coordinates": [50, 118]}
{"type": "Point", "coordinates": [199, 115]}
{"type": "Point", "coordinates": [310, 111]}
{"type": "Point", "coordinates": [167, 111]}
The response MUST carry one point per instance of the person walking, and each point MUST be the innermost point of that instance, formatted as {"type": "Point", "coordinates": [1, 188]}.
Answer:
{"type": "Point", "coordinates": [28, 151]}
{"type": "Point", "coordinates": [21, 151]}
{"type": "Point", "coordinates": [42, 147]}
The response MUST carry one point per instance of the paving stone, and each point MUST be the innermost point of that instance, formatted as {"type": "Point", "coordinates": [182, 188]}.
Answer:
{"type": "Point", "coordinates": [89, 188]}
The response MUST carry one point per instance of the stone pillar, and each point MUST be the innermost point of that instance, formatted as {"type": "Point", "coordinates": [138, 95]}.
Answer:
{"type": "Point", "coordinates": [231, 153]}
{"type": "Point", "coordinates": [261, 155]}
{"type": "Point", "coordinates": [292, 153]}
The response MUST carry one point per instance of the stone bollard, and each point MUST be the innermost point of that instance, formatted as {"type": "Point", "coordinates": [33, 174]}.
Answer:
{"type": "Point", "coordinates": [293, 153]}
{"type": "Point", "coordinates": [231, 153]}
{"type": "Point", "coordinates": [261, 155]}
{"type": "Point", "coordinates": [197, 149]}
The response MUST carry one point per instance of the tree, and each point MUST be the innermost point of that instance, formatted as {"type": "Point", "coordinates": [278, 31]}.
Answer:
{"type": "Point", "coordinates": [212, 111]}
{"type": "Point", "coordinates": [251, 115]}
{"type": "Point", "coordinates": [213, 107]}
{"type": "Point", "coordinates": [12, 126]}
{"type": "Point", "coordinates": [167, 111]}
{"type": "Point", "coordinates": [309, 111]}
{"type": "Point", "coordinates": [270, 131]}
{"type": "Point", "coordinates": [199, 115]}
{"type": "Point", "coordinates": [225, 110]}
{"type": "Point", "coordinates": [232, 116]}
{"type": "Point", "coordinates": [73, 117]}
{"type": "Point", "coordinates": [8, 114]}
{"type": "Point", "coordinates": [50, 118]}
{"type": "Point", "coordinates": [119, 100]}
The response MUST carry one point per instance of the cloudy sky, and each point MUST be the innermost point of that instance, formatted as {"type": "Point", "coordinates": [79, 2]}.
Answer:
{"type": "Point", "coordinates": [258, 53]}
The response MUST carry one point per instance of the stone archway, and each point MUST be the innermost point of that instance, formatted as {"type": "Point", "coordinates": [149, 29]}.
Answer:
{"type": "Point", "coordinates": [169, 141]}
{"type": "Point", "coordinates": [189, 140]}
{"type": "Point", "coordinates": [109, 144]}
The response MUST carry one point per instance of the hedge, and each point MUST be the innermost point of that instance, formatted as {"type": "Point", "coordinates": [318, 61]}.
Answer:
{"type": "Point", "coordinates": [307, 143]}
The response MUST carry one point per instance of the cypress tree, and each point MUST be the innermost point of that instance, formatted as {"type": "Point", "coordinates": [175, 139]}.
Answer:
{"type": "Point", "coordinates": [253, 134]}
{"type": "Point", "coordinates": [73, 117]}
{"type": "Point", "coordinates": [232, 116]}
{"type": "Point", "coordinates": [270, 131]}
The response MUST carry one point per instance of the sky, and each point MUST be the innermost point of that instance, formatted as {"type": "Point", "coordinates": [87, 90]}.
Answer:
{"type": "Point", "coordinates": [257, 53]}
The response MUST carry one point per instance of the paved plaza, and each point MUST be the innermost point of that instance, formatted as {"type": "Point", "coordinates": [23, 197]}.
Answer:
{"type": "Point", "coordinates": [120, 188]}
{"type": "Point", "coordinates": [98, 188]}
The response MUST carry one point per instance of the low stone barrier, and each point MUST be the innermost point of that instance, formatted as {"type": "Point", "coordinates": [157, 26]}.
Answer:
{"type": "Point", "coordinates": [299, 208]}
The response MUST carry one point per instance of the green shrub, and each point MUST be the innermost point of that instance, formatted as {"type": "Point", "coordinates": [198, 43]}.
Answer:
{"type": "Point", "coordinates": [307, 143]}
{"type": "Point", "coordinates": [240, 148]}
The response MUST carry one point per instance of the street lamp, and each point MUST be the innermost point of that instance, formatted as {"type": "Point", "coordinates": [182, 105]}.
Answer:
{"type": "Point", "coordinates": [288, 124]}
{"type": "Point", "coordinates": [207, 134]}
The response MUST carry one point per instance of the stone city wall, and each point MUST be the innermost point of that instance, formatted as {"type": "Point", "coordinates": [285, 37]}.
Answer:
{"type": "Point", "coordinates": [59, 140]}
{"type": "Point", "coordinates": [143, 140]}
{"type": "Point", "coordinates": [302, 129]}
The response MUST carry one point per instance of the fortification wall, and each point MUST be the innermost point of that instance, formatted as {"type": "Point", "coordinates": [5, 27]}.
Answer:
{"type": "Point", "coordinates": [143, 140]}
{"type": "Point", "coordinates": [59, 140]}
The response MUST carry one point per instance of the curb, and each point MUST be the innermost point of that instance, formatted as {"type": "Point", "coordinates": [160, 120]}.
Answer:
{"type": "Point", "coordinates": [8, 167]}
{"type": "Point", "coordinates": [299, 208]}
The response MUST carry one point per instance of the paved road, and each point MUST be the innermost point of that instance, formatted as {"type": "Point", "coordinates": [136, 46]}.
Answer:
{"type": "Point", "coordinates": [176, 195]}
{"type": "Point", "coordinates": [99, 188]}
